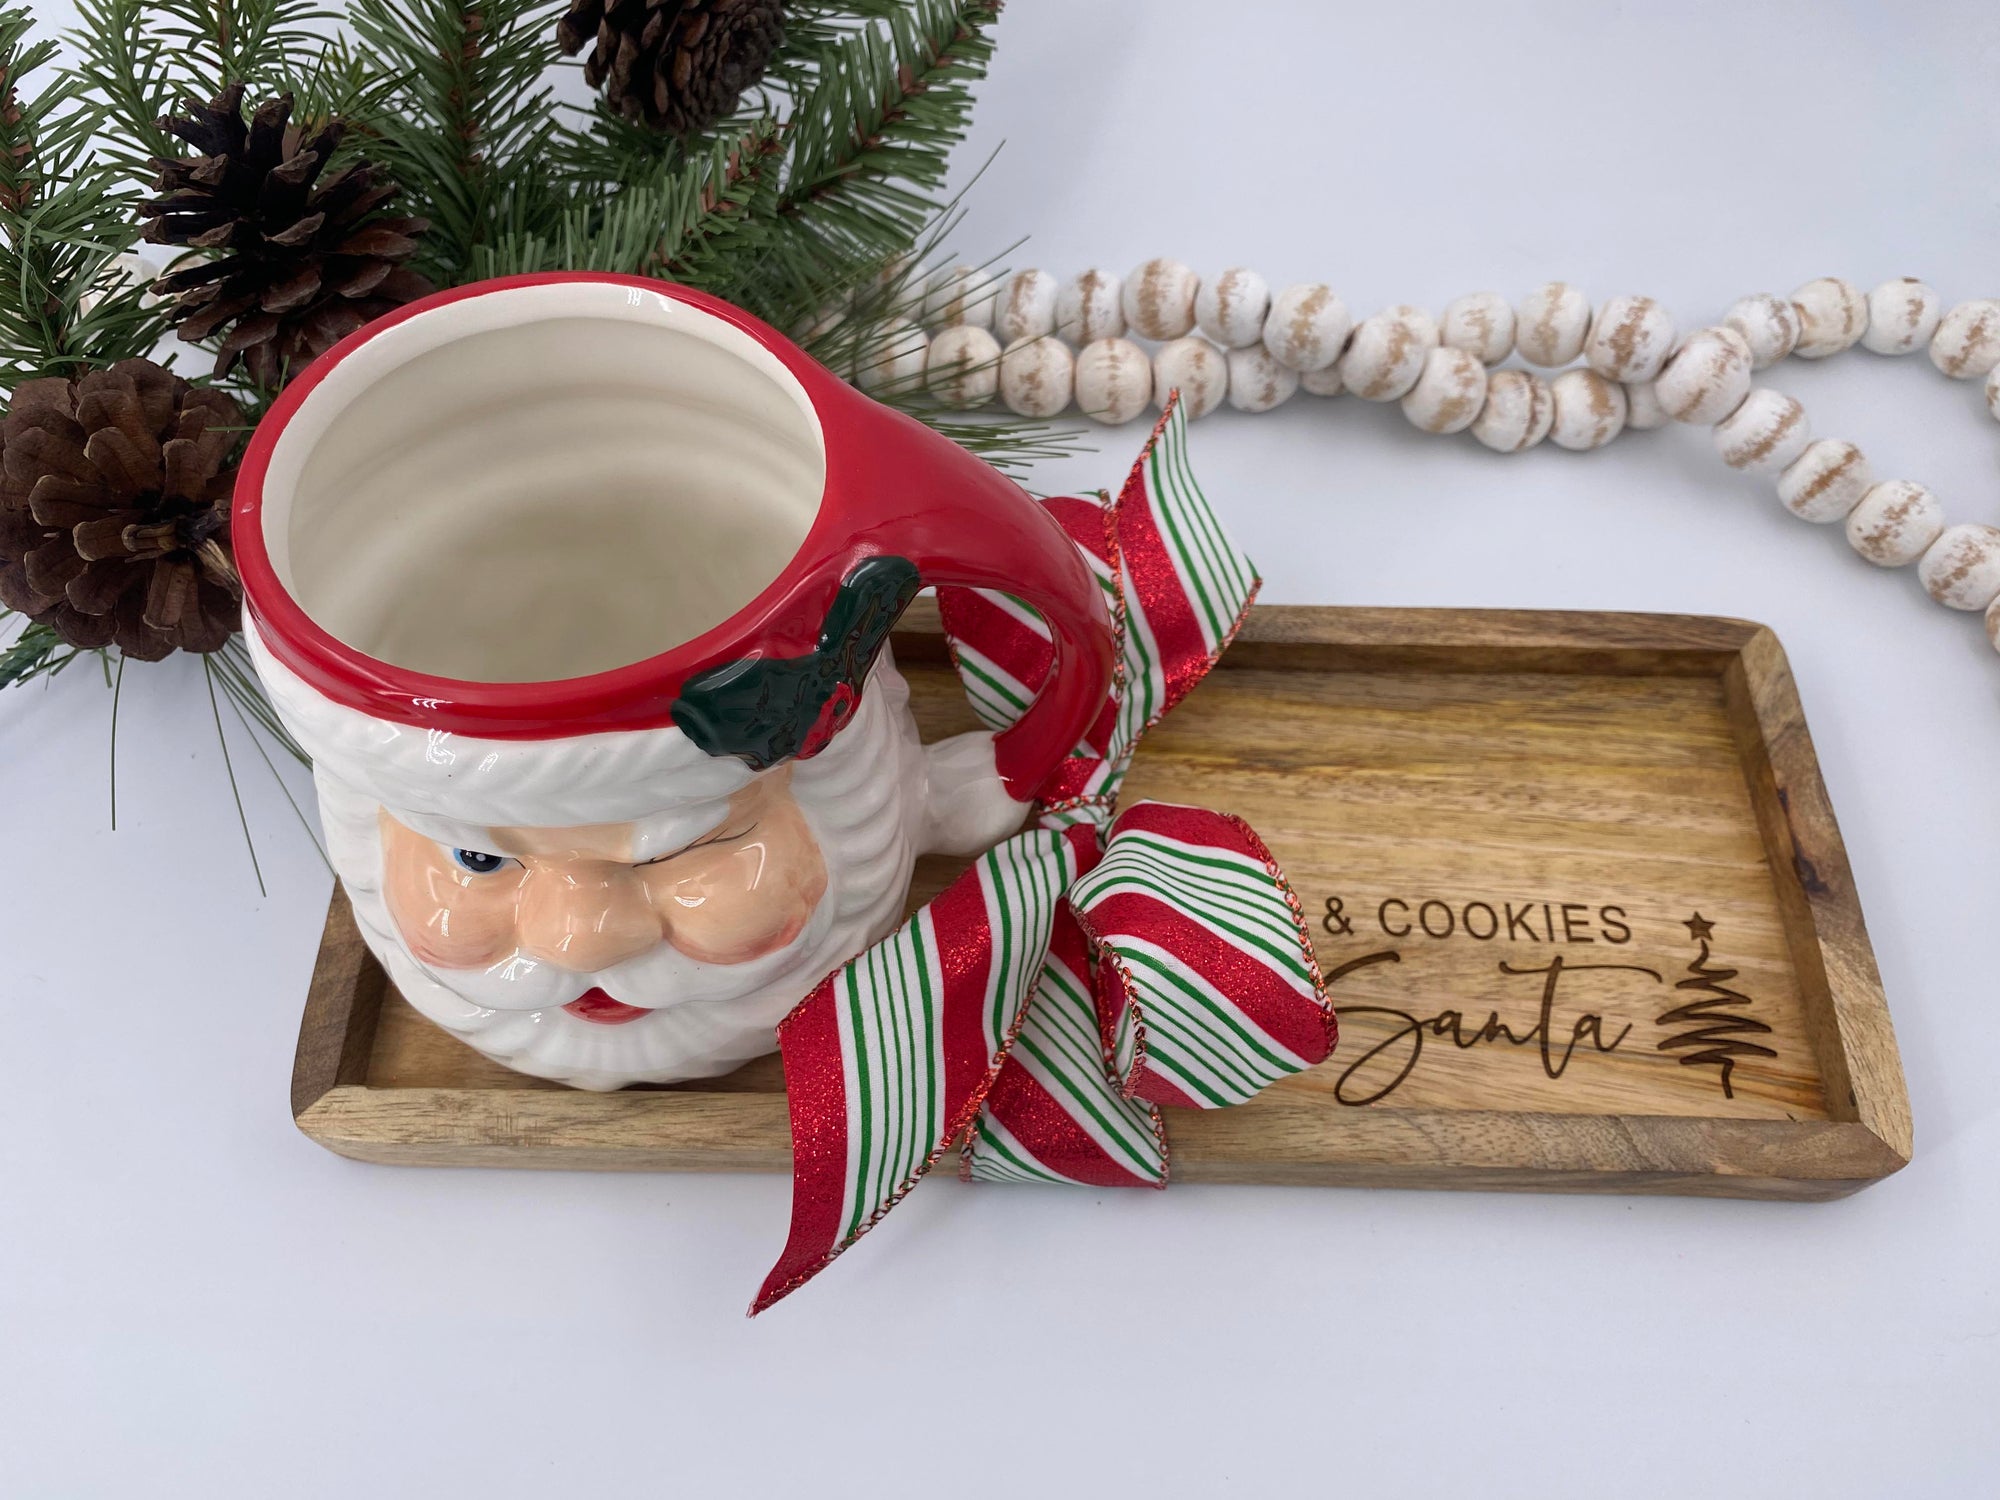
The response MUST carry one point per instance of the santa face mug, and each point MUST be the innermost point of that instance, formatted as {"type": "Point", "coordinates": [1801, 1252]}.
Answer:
{"type": "Point", "coordinates": [576, 588]}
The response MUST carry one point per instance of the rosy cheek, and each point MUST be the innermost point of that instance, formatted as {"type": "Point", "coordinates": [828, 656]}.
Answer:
{"type": "Point", "coordinates": [730, 906]}
{"type": "Point", "coordinates": [448, 917]}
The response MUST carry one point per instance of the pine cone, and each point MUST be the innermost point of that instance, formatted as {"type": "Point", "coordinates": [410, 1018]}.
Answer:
{"type": "Point", "coordinates": [114, 509]}
{"type": "Point", "coordinates": [304, 262]}
{"type": "Point", "coordinates": [679, 65]}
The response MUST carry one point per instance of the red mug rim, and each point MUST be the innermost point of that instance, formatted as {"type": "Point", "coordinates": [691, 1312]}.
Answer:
{"type": "Point", "coordinates": [634, 695]}
{"type": "Point", "coordinates": [891, 488]}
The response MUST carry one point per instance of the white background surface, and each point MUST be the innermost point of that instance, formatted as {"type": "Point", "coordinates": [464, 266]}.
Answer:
{"type": "Point", "coordinates": [194, 1299]}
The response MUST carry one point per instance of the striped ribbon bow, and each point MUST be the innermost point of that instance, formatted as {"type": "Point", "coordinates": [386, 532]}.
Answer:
{"type": "Point", "coordinates": [1088, 970]}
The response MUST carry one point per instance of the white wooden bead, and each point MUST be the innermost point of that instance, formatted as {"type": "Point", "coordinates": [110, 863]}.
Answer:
{"type": "Point", "coordinates": [1707, 378]}
{"type": "Point", "coordinates": [1590, 410]}
{"type": "Point", "coordinates": [1993, 392]}
{"type": "Point", "coordinates": [1387, 352]}
{"type": "Point", "coordinates": [1825, 483]}
{"type": "Point", "coordinates": [1327, 382]}
{"type": "Point", "coordinates": [1114, 381]}
{"type": "Point", "coordinates": [1026, 307]}
{"type": "Point", "coordinates": [894, 359]}
{"type": "Point", "coordinates": [963, 366]}
{"type": "Point", "coordinates": [1629, 339]}
{"type": "Point", "coordinates": [1482, 324]}
{"type": "Point", "coordinates": [1895, 523]}
{"type": "Point", "coordinates": [1643, 411]}
{"type": "Point", "coordinates": [1764, 434]}
{"type": "Point", "coordinates": [1230, 308]}
{"type": "Point", "coordinates": [1090, 307]}
{"type": "Point", "coordinates": [1159, 299]}
{"type": "Point", "coordinates": [958, 294]}
{"type": "Point", "coordinates": [1449, 394]}
{"type": "Point", "coordinates": [822, 326]}
{"type": "Point", "coordinates": [1832, 315]}
{"type": "Point", "coordinates": [1518, 411]}
{"type": "Point", "coordinates": [1037, 377]}
{"type": "Point", "coordinates": [1769, 325]}
{"type": "Point", "coordinates": [1961, 569]}
{"type": "Point", "coordinates": [1194, 367]}
{"type": "Point", "coordinates": [1307, 326]}
{"type": "Point", "coordinates": [1902, 316]}
{"type": "Point", "coordinates": [1551, 324]}
{"type": "Point", "coordinates": [1258, 382]}
{"type": "Point", "coordinates": [1967, 341]}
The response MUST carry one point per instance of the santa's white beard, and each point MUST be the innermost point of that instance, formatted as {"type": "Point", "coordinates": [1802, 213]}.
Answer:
{"type": "Point", "coordinates": [864, 799]}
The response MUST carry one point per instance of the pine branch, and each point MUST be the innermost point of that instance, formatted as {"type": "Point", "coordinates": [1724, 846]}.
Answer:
{"type": "Point", "coordinates": [144, 59]}
{"type": "Point", "coordinates": [30, 654]}
{"type": "Point", "coordinates": [65, 301]}
{"type": "Point", "coordinates": [463, 118]}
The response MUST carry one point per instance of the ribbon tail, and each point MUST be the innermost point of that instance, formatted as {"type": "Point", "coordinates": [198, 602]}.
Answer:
{"type": "Point", "coordinates": [1056, 1114]}
{"type": "Point", "coordinates": [891, 1057]}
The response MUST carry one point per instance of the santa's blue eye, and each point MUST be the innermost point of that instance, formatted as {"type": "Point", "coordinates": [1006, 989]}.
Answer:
{"type": "Point", "coordinates": [478, 863]}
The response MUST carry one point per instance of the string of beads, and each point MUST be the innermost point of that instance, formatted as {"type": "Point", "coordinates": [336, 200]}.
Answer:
{"type": "Point", "coordinates": [1039, 345]}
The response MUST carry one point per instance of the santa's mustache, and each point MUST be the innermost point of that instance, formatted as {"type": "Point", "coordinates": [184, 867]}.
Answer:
{"type": "Point", "coordinates": [659, 979]}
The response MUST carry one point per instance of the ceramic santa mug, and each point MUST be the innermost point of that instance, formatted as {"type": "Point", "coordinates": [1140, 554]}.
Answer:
{"type": "Point", "coordinates": [576, 588]}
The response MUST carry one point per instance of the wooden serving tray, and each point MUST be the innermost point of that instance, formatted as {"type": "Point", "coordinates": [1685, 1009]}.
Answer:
{"type": "Point", "coordinates": [1515, 833]}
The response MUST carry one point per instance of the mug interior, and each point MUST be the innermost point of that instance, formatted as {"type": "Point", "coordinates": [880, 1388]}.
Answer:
{"type": "Point", "coordinates": [542, 482]}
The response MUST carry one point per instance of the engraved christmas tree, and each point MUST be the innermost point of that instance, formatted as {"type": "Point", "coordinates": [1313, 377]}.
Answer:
{"type": "Point", "coordinates": [1716, 1025]}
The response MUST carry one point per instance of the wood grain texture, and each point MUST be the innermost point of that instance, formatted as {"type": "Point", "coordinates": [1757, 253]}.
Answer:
{"type": "Point", "coordinates": [1530, 842]}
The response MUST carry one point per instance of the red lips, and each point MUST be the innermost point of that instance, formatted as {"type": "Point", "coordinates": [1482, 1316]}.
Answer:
{"type": "Point", "coordinates": [600, 1009]}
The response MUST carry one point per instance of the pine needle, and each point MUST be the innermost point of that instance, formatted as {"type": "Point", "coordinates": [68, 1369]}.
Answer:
{"type": "Point", "coordinates": [117, 692]}
{"type": "Point", "coordinates": [297, 811]}
{"type": "Point", "coordinates": [208, 675]}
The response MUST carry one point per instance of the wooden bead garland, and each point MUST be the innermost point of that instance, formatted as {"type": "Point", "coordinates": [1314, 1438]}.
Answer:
{"type": "Point", "coordinates": [1643, 411]}
{"type": "Point", "coordinates": [1449, 392]}
{"type": "Point", "coordinates": [1590, 410]}
{"type": "Point", "coordinates": [1231, 307]}
{"type": "Point", "coordinates": [1256, 351]}
{"type": "Point", "coordinates": [1707, 378]}
{"type": "Point", "coordinates": [1825, 482]}
{"type": "Point", "coordinates": [1037, 377]}
{"type": "Point", "coordinates": [1769, 325]}
{"type": "Point", "coordinates": [1629, 339]}
{"type": "Point", "coordinates": [1961, 569]}
{"type": "Point", "coordinates": [1114, 381]}
{"type": "Point", "coordinates": [1307, 327]}
{"type": "Point", "coordinates": [962, 367]}
{"type": "Point", "coordinates": [1090, 307]}
{"type": "Point", "coordinates": [959, 294]}
{"type": "Point", "coordinates": [1026, 307]}
{"type": "Point", "coordinates": [1967, 342]}
{"type": "Point", "coordinates": [1326, 382]}
{"type": "Point", "coordinates": [1159, 300]}
{"type": "Point", "coordinates": [1895, 523]}
{"type": "Point", "coordinates": [1258, 382]}
{"type": "Point", "coordinates": [1832, 316]}
{"type": "Point", "coordinates": [1518, 412]}
{"type": "Point", "coordinates": [1195, 368]}
{"type": "Point", "coordinates": [895, 360]}
{"type": "Point", "coordinates": [1387, 353]}
{"type": "Point", "coordinates": [1551, 324]}
{"type": "Point", "coordinates": [1764, 434]}
{"type": "Point", "coordinates": [1902, 316]}
{"type": "Point", "coordinates": [1481, 324]}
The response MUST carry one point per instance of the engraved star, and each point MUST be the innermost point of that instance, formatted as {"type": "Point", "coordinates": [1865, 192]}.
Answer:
{"type": "Point", "coordinates": [1699, 927]}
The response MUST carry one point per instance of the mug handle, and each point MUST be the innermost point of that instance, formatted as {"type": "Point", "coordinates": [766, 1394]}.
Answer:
{"type": "Point", "coordinates": [966, 525]}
